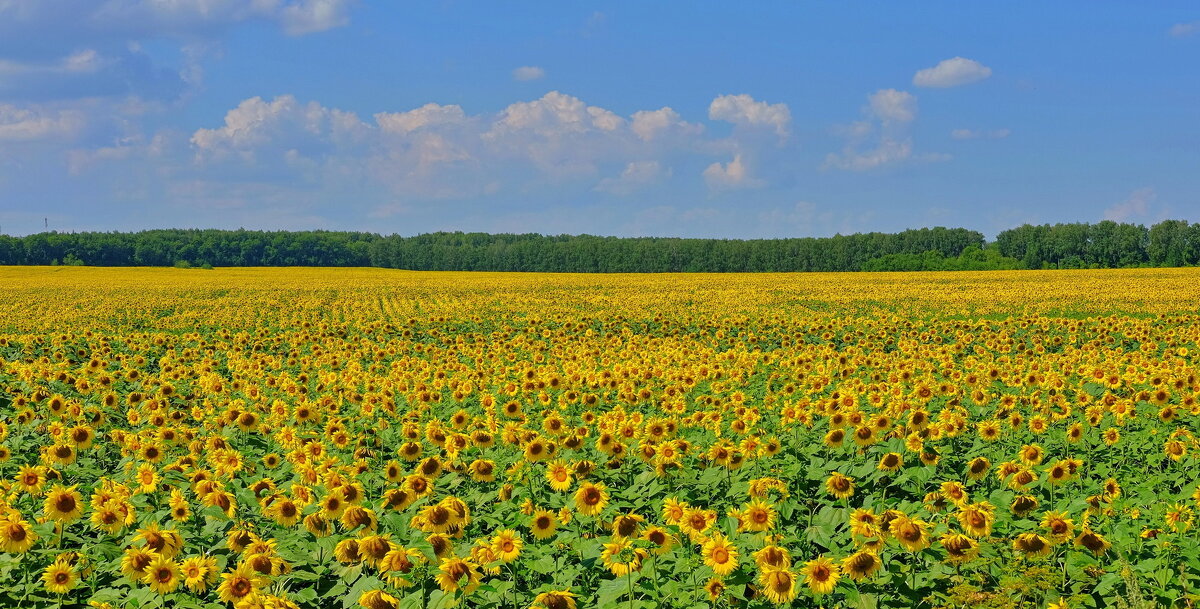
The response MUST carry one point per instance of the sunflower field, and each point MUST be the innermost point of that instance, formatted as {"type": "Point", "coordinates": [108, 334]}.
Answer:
{"type": "Point", "coordinates": [315, 438]}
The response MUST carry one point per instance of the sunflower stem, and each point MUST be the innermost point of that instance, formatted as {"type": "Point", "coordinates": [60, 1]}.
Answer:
{"type": "Point", "coordinates": [629, 576]}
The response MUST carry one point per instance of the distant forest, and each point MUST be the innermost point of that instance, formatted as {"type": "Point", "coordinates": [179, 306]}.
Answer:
{"type": "Point", "coordinates": [1102, 245]}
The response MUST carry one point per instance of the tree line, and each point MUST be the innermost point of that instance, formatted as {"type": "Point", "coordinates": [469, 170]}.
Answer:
{"type": "Point", "coordinates": [1103, 245]}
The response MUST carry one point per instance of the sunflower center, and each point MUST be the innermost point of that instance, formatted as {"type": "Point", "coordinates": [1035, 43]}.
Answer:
{"type": "Point", "coordinates": [65, 503]}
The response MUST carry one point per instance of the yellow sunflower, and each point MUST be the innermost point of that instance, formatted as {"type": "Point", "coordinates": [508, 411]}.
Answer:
{"type": "Point", "coordinates": [720, 555]}
{"type": "Point", "coordinates": [821, 575]}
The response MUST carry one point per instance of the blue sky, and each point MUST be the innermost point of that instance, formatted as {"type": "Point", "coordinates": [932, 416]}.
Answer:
{"type": "Point", "coordinates": [672, 119]}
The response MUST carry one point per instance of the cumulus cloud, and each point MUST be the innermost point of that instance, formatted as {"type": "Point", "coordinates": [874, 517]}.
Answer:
{"type": "Point", "coordinates": [652, 124]}
{"type": "Point", "coordinates": [19, 124]}
{"type": "Point", "coordinates": [1181, 30]}
{"type": "Point", "coordinates": [526, 73]}
{"type": "Point", "coordinates": [439, 151]}
{"type": "Point", "coordinates": [883, 138]}
{"type": "Point", "coordinates": [400, 161]}
{"type": "Point", "coordinates": [951, 72]}
{"type": "Point", "coordinates": [743, 110]}
{"type": "Point", "coordinates": [635, 176]}
{"type": "Point", "coordinates": [282, 124]}
{"type": "Point", "coordinates": [890, 105]}
{"type": "Point", "coordinates": [1136, 206]}
{"type": "Point", "coordinates": [980, 134]}
{"type": "Point", "coordinates": [429, 115]}
{"type": "Point", "coordinates": [142, 19]}
{"type": "Point", "coordinates": [731, 175]}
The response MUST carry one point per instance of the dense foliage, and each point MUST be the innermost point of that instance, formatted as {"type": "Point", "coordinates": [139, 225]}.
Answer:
{"type": "Point", "coordinates": [315, 438]}
{"type": "Point", "coordinates": [1103, 245]}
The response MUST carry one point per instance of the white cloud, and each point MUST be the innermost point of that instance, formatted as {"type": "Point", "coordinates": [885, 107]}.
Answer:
{"type": "Point", "coordinates": [651, 124]}
{"type": "Point", "coordinates": [1136, 206]}
{"type": "Point", "coordinates": [887, 152]}
{"type": "Point", "coordinates": [883, 139]}
{"type": "Point", "coordinates": [36, 123]}
{"type": "Point", "coordinates": [980, 134]}
{"type": "Point", "coordinates": [429, 115]}
{"type": "Point", "coordinates": [309, 16]}
{"type": "Point", "coordinates": [951, 72]}
{"type": "Point", "coordinates": [731, 175]}
{"type": "Point", "coordinates": [890, 105]}
{"type": "Point", "coordinates": [636, 175]}
{"type": "Point", "coordinates": [1181, 30]}
{"type": "Point", "coordinates": [433, 152]}
{"type": "Point", "coordinates": [553, 115]}
{"type": "Point", "coordinates": [743, 110]}
{"type": "Point", "coordinates": [280, 124]}
{"type": "Point", "coordinates": [526, 73]}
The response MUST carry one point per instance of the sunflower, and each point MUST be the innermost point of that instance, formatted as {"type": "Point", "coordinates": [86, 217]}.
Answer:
{"type": "Point", "coordinates": [483, 470]}
{"type": "Point", "coordinates": [988, 431]}
{"type": "Point", "coordinates": [333, 504]}
{"type": "Point", "coordinates": [621, 558]}
{"type": "Point", "coordinates": [720, 555]}
{"type": "Point", "coordinates": [347, 552]}
{"type": "Point", "coordinates": [285, 512]}
{"type": "Point", "coordinates": [180, 511]}
{"type": "Point", "coordinates": [890, 462]}
{"type": "Point", "coordinates": [317, 525]}
{"type": "Point", "coordinates": [714, 588]}
{"type": "Point", "coordinates": [778, 585]}
{"type": "Point", "coordinates": [674, 510]}
{"type": "Point", "coordinates": [559, 476]}
{"type": "Point", "coordinates": [63, 504]}
{"type": "Point", "coordinates": [240, 585]}
{"type": "Point", "coordinates": [1032, 545]}
{"type": "Point", "coordinates": [864, 522]}
{"type": "Point", "coordinates": [627, 525]}
{"type": "Point", "coordinates": [507, 545]}
{"type": "Point", "coordinates": [16, 536]}
{"type": "Point", "coordinates": [135, 561]}
{"type": "Point", "coordinates": [1023, 505]}
{"type": "Point", "coordinates": [456, 574]}
{"type": "Point", "coordinates": [544, 524]}
{"type": "Point", "coordinates": [977, 468]}
{"type": "Point", "coordinates": [758, 516]}
{"type": "Point", "coordinates": [864, 436]}
{"type": "Point", "coordinates": [31, 479]}
{"type": "Point", "coordinates": [1111, 436]}
{"type": "Point", "coordinates": [1059, 527]}
{"type": "Point", "coordinates": [1093, 542]}
{"type": "Point", "coordinates": [820, 574]}
{"type": "Point", "coordinates": [377, 599]}
{"type": "Point", "coordinates": [195, 573]}
{"type": "Point", "coordinates": [910, 533]}
{"type": "Point", "coordinates": [772, 557]}
{"type": "Point", "coordinates": [977, 518]}
{"type": "Point", "coordinates": [839, 485]}
{"type": "Point", "coordinates": [60, 577]}
{"type": "Point", "coordinates": [162, 575]}
{"type": "Point", "coordinates": [591, 498]}
{"type": "Point", "coordinates": [696, 521]}
{"type": "Point", "coordinates": [166, 542]}
{"type": "Point", "coordinates": [861, 565]}
{"type": "Point", "coordinates": [555, 599]}
{"type": "Point", "coordinates": [399, 562]}
{"type": "Point", "coordinates": [662, 540]}
{"type": "Point", "coordinates": [959, 548]}
{"type": "Point", "coordinates": [835, 437]}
